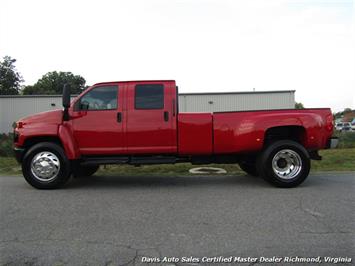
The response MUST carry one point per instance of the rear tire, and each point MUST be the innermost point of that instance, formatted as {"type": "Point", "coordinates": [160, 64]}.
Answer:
{"type": "Point", "coordinates": [45, 166]}
{"type": "Point", "coordinates": [284, 163]}
{"type": "Point", "coordinates": [85, 171]}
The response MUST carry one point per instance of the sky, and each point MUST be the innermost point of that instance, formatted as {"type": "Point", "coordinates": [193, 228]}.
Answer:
{"type": "Point", "coordinates": [205, 45]}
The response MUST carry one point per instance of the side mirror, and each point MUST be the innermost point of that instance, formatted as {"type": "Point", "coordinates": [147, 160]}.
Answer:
{"type": "Point", "coordinates": [66, 96]}
{"type": "Point", "coordinates": [66, 102]}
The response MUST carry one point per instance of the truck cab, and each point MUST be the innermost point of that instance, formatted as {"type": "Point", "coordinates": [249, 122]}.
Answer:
{"type": "Point", "coordinates": [126, 118]}
{"type": "Point", "coordinates": [138, 122]}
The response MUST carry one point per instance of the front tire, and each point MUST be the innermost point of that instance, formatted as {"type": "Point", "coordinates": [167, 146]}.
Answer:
{"type": "Point", "coordinates": [45, 166]}
{"type": "Point", "coordinates": [284, 163]}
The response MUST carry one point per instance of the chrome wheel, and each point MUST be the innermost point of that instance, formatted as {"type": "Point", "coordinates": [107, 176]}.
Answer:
{"type": "Point", "coordinates": [45, 166]}
{"type": "Point", "coordinates": [286, 164]}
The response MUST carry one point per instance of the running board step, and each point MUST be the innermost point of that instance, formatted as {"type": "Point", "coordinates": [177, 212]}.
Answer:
{"type": "Point", "coordinates": [152, 160]}
{"type": "Point", "coordinates": [135, 160]}
{"type": "Point", "coordinates": [104, 160]}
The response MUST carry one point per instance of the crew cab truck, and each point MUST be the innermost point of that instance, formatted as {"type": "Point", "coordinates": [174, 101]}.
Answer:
{"type": "Point", "coordinates": [138, 122]}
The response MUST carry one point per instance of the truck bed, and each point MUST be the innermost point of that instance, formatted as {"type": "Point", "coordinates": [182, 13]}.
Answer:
{"type": "Point", "coordinates": [245, 131]}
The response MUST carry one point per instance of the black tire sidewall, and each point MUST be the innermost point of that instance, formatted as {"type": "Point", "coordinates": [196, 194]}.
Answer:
{"type": "Point", "coordinates": [64, 172]}
{"type": "Point", "coordinates": [265, 163]}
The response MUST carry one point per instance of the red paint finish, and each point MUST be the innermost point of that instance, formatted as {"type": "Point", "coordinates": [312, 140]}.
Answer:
{"type": "Point", "coordinates": [38, 120]}
{"type": "Point", "coordinates": [195, 134]}
{"type": "Point", "coordinates": [147, 132]}
{"type": "Point", "coordinates": [69, 144]}
{"type": "Point", "coordinates": [98, 132]}
{"type": "Point", "coordinates": [41, 124]}
{"type": "Point", "coordinates": [244, 131]}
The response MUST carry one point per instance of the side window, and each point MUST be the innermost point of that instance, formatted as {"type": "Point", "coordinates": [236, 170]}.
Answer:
{"type": "Point", "coordinates": [149, 96]}
{"type": "Point", "coordinates": [99, 98]}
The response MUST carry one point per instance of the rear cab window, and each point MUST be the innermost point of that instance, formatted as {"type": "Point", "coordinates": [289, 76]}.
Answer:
{"type": "Point", "coordinates": [149, 96]}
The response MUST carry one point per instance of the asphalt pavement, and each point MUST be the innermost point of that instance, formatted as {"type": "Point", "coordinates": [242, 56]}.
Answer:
{"type": "Point", "coordinates": [132, 220]}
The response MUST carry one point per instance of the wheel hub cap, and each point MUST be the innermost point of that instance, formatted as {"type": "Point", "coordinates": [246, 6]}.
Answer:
{"type": "Point", "coordinates": [45, 166]}
{"type": "Point", "coordinates": [286, 164]}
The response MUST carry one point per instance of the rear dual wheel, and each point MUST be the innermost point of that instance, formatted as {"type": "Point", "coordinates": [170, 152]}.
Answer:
{"type": "Point", "coordinates": [284, 163]}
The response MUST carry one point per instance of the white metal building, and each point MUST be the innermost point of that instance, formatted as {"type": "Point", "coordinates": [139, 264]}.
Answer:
{"type": "Point", "coordinates": [236, 101]}
{"type": "Point", "coordinates": [14, 107]}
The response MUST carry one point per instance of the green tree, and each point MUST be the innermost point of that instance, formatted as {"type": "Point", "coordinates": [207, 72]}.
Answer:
{"type": "Point", "coordinates": [347, 110]}
{"type": "Point", "coordinates": [299, 106]}
{"type": "Point", "coordinates": [341, 114]}
{"type": "Point", "coordinates": [53, 82]}
{"type": "Point", "coordinates": [10, 79]}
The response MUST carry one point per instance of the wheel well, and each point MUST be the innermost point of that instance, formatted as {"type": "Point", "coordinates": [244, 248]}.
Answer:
{"type": "Point", "coordinates": [295, 133]}
{"type": "Point", "coordinates": [32, 141]}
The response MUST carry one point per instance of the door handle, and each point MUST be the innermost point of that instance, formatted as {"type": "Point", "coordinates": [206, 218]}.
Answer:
{"type": "Point", "coordinates": [119, 117]}
{"type": "Point", "coordinates": [166, 116]}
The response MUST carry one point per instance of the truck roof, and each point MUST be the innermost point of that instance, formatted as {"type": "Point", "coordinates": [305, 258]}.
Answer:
{"type": "Point", "coordinates": [131, 81]}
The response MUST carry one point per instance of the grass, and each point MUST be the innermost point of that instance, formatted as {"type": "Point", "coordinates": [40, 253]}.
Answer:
{"type": "Point", "coordinates": [9, 166]}
{"type": "Point", "coordinates": [346, 139]}
{"type": "Point", "coordinates": [333, 160]}
{"type": "Point", "coordinates": [6, 141]}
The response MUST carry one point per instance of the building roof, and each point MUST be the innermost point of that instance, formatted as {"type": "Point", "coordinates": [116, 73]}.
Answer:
{"type": "Point", "coordinates": [237, 92]}
{"type": "Point", "coordinates": [182, 94]}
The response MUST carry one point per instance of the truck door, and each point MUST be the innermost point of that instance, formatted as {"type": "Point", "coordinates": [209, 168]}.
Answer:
{"type": "Point", "coordinates": [151, 118]}
{"type": "Point", "coordinates": [97, 121]}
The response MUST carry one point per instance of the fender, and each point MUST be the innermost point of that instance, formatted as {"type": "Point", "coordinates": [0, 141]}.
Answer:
{"type": "Point", "coordinates": [266, 122]}
{"type": "Point", "coordinates": [245, 131]}
{"type": "Point", "coordinates": [69, 144]}
{"type": "Point", "coordinates": [312, 123]}
{"type": "Point", "coordinates": [31, 132]}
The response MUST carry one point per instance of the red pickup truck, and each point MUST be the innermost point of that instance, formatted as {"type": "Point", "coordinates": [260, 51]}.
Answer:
{"type": "Point", "coordinates": [138, 122]}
